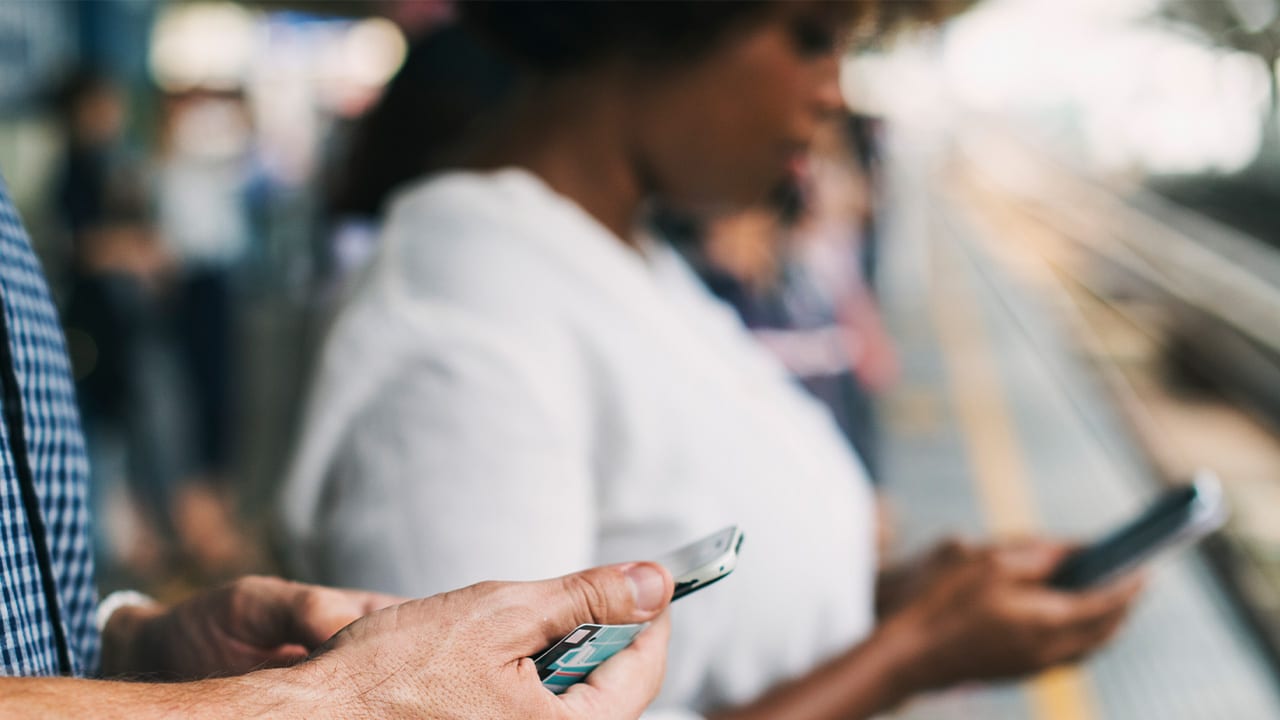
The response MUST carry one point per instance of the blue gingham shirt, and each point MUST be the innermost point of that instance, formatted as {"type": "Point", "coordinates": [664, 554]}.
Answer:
{"type": "Point", "coordinates": [60, 473]}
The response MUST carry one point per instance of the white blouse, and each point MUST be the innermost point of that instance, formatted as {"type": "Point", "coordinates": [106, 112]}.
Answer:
{"type": "Point", "coordinates": [513, 393]}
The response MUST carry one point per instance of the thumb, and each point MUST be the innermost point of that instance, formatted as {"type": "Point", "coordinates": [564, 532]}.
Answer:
{"type": "Point", "coordinates": [610, 595]}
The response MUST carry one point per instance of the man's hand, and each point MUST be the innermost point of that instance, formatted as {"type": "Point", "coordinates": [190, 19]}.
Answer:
{"type": "Point", "coordinates": [466, 654]}
{"type": "Point", "coordinates": [248, 624]}
{"type": "Point", "coordinates": [459, 655]}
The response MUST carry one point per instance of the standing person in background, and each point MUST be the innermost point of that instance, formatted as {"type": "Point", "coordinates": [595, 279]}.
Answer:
{"type": "Point", "coordinates": [829, 245]}
{"type": "Point", "coordinates": [258, 647]}
{"type": "Point", "coordinates": [862, 141]}
{"type": "Point", "coordinates": [830, 249]}
{"type": "Point", "coordinates": [792, 269]}
{"type": "Point", "coordinates": [203, 219]}
{"type": "Point", "coordinates": [116, 327]}
{"type": "Point", "coordinates": [523, 383]}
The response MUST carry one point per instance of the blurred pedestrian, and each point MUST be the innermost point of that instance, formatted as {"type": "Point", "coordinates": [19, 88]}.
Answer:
{"type": "Point", "coordinates": [115, 325]}
{"type": "Point", "coordinates": [203, 220]}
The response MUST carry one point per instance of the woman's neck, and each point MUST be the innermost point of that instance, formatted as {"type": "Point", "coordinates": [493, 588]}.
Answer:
{"type": "Point", "coordinates": [577, 139]}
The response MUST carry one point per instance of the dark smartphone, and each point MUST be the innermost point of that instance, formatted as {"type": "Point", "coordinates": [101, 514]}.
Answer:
{"type": "Point", "coordinates": [1178, 517]}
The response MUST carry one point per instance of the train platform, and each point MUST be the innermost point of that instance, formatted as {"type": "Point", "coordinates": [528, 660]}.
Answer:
{"type": "Point", "coordinates": [1002, 424]}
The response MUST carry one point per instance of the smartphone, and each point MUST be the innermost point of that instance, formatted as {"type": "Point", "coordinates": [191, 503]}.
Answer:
{"type": "Point", "coordinates": [1178, 517]}
{"type": "Point", "coordinates": [693, 567]}
{"type": "Point", "coordinates": [704, 562]}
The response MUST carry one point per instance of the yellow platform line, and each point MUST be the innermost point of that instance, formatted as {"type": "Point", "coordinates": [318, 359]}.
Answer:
{"type": "Point", "coordinates": [981, 406]}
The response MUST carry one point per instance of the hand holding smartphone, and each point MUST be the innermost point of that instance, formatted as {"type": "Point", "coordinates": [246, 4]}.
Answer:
{"type": "Point", "coordinates": [1178, 517]}
{"type": "Point", "coordinates": [693, 567]}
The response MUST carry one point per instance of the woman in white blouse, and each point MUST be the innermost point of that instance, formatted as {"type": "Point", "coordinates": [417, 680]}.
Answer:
{"type": "Point", "coordinates": [524, 386]}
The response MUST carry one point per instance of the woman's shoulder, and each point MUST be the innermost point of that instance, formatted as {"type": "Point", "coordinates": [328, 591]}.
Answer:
{"type": "Point", "coordinates": [460, 257]}
{"type": "Point", "coordinates": [463, 201]}
{"type": "Point", "coordinates": [460, 237]}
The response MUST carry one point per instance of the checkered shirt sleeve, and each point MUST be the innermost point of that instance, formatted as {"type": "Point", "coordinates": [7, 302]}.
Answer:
{"type": "Point", "coordinates": [59, 468]}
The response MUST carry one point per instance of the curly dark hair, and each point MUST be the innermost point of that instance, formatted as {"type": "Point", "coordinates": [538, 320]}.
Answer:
{"type": "Point", "coordinates": [448, 85]}
{"type": "Point", "coordinates": [552, 36]}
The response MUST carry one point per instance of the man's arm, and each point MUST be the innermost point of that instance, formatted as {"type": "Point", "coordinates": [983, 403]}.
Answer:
{"type": "Point", "coordinates": [285, 693]}
{"type": "Point", "coordinates": [464, 654]}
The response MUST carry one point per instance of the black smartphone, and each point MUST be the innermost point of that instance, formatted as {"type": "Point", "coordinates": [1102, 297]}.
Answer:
{"type": "Point", "coordinates": [1178, 517]}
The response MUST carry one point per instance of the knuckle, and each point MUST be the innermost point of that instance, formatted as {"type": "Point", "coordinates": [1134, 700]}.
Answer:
{"type": "Point", "coordinates": [495, 598]}
{"type": "Point", "coordinates": [1004, 563]}
{"type": "Point", "coordinates": [249, 583]}
{"type": "Point", "coordinates": [1027, 644]}
{"type": "Point", "coordinates": [953, 549]}
{"type": "Point", "coordinates": [488, 587]}
{"type": "Point", "coordinates": [591, 597]}
{"type": "Point", "coordinates": [1028, 635]}
{"type": "Point", "coordinates": [241, 592]}
{"type": "Point", "coordinates": [254, 589]}
{"type": "Point", "coordinates": [1055, 616]}
{"type": "Point", "coordinates": [310, 602]}
{"type": "Point", "coordinates": [988, 559]}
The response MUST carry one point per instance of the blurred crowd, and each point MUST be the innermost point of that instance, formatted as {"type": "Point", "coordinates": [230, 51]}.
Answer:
{"type": "Point", "coordinates": [152, 239]}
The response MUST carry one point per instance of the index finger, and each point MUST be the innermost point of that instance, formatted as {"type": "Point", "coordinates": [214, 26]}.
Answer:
{"type": "Point", "coordinates": [1092, 606]}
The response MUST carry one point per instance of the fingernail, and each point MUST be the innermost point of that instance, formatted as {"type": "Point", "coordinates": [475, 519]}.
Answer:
{"type": "Point", "coordinates": [647, 586]}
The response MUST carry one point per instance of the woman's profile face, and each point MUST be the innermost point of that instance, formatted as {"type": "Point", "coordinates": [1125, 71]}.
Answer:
{"type": "Point", "coordinates": [720, 132]}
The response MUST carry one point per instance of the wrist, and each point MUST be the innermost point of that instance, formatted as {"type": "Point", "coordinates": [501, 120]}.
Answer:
{"type": "Point", "coordinates": [889, 589]}
{"type": "Point", "coordinates": [329, 687]}
{"type": "Point", "coordinates": [126, 646]}
{"type": "Point", "coordinates": [903, 649]}
{"type": "Point", "coordinates": [278, 694]}
{"type": "Point", "coordinates": [295, 692]}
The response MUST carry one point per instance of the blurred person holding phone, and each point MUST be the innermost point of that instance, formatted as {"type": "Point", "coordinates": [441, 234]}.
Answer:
{"type": "Point", "coordinates": [258, 646]}
{"type": "Point", "coordinates": [523, 384]}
